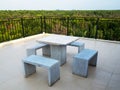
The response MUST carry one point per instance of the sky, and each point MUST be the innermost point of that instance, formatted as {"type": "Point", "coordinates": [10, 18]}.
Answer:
{"type": "Point", "coordinates": [60, 5]}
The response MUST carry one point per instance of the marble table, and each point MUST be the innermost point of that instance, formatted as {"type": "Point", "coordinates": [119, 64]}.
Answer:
{"type": "Point", "coordinates": [58, 45]}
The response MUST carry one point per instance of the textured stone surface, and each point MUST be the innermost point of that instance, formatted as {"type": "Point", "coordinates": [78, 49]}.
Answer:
{"type": "Point", "coordinates": [106, 76]}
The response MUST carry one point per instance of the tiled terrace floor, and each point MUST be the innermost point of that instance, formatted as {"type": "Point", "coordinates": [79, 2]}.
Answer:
{"type": "Point", "coordinates": [106, 76]}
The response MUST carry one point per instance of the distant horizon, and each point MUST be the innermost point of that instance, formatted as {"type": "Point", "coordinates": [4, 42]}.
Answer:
{"type": "Point", "coordinates": [60, 5]}
{"type": "Point", "coordinates": [60, 10]}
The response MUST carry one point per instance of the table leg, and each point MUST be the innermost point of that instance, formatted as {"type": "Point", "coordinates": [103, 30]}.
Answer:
{"type": "Point", "coordinates": [58, 52]}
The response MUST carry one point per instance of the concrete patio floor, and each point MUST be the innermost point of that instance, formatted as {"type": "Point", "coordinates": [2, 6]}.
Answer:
{"type": "Point", "coordinates": [106, 76]}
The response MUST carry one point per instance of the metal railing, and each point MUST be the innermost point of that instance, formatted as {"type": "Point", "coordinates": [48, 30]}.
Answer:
{"type": "Point", "coordinates": [92, 27]}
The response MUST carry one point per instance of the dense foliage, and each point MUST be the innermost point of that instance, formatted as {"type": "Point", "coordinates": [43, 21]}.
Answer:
{"type": "Point", "coordinates": [6, 14]}
{"type": "Point", "coordinates": [101, 24]}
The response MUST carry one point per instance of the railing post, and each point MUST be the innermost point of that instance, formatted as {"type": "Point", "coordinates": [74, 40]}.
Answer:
{"type": "Point", "coordinates": [96, 28]}
{"type": "Point", "coordinates": [89, 28]}
{"type": "Point", "coordinates": [23, 33]}
{"type": "Point", "coordinates": [41, 21]}
{"type": "Point", "coordinates": [44, 24]}
{"type": "Point", "coordinates": [2, 30]}
{"type": "Point", "coordinates": [67, 25]}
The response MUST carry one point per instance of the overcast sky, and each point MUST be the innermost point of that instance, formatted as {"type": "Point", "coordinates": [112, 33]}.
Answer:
{"type": "Point", "coordinates": [60, 5]}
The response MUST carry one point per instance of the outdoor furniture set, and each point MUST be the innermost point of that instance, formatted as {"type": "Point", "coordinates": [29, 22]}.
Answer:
{"type": "Point", "coordinates": [54, 47]}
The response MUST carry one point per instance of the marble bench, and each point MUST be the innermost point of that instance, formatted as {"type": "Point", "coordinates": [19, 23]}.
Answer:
{"type": "Point", "coordinates": [78, 44]}
{"type": "Point", "coordinates": [52, 65]}
{"type": "Point", "coordinates": [45, 49]}
{"type": "Point", "coordinates": [82, 60]}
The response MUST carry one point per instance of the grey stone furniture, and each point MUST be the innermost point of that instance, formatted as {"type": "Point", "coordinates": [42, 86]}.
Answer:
{"type": "Point", "coordinates": [58, 44]}
{"type": "Point", "coordinates": [52, 65]}
{"type": "Point", "coordinates": [45, 49]}
{"type": "Point", "coordinates": [82, 60]}
{"type": "Point", "coordinates": [78, 44]}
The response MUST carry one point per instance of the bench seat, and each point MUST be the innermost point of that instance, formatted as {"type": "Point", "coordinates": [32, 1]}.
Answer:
{"type": "Point", "coordinates": [51, 65]}
{"type": "Point", "coordinates": [78, 44]}
{"type": "Point", "coordinates": [45, 49]}
{"type": "Point", "coordinates": [82, 60]}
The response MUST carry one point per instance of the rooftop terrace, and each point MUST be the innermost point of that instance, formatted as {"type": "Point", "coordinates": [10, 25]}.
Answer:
{"type": "Point", "coordinates": [106, 76]}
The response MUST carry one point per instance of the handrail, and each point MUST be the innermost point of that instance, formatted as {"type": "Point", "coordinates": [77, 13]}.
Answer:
{"type": "Point", "coordinates": [92, 27]}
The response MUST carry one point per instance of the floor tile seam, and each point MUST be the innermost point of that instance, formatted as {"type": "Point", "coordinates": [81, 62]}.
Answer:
{"type": "Point", "coordinates": [109, 81]}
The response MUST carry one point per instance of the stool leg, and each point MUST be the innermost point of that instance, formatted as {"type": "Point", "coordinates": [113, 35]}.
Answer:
{"type": "Point", "coordinates": [93, 61]}
{"type": "Point", "coordinates": [53, 74]}
{"type": "Point", "coordinates": [80, 67]}
{"type": "Point", "coordinates": [29, 69]}
{"type": "Point", "coordinates": [80, 48]}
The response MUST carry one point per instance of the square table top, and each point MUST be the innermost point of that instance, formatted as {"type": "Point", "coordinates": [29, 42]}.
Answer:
{"type": "Point", "coordinates": [55, 39]}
